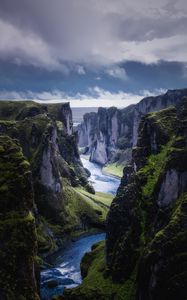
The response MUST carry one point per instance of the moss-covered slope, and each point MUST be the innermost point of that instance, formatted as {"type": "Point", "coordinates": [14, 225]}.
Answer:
{"type": "Point", "coordinates": [48, 142]}
{"type": "Point", "coordinates": [17, 225]}
{"type": "Point", "coordinates": [146, 249]}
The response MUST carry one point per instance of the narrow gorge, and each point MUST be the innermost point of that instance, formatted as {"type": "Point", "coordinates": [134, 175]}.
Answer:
{"type": "Point", "coordinates": [62, 193]}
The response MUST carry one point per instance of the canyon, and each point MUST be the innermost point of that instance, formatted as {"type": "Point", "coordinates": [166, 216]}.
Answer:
{"type": "Point", "coordinates": [48, 200]}
{"type": "Point", "coordinates": [109, 134]}
{"type": "Point", "coordinates": [146, 234]}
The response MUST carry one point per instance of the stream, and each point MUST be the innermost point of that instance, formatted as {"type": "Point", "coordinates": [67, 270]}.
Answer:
{"type": "Point", "coordinates": [66, 268]}
{"type": "Point", "coordinates": [101, 182]}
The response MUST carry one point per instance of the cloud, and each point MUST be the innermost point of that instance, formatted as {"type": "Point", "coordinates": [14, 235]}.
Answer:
{"type": "Point", "coordinates": [49, 34]}
{"type": "Point", "coordinates": [81, 70]}
{"type": "Point", "coordinates": [25, 47]}
{"type": "Point", "coordinates": [117, 72]}
{"type": "Point", "coordinates": [95, 97]}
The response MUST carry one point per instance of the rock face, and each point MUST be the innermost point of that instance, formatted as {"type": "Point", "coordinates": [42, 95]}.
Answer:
{"type": "Point", "coordinates": [48, 142]}
{"type": "Point", "coordinates": [101, 133]}
{"type": "Point", "coordinates": [146, 242]}
{"type": "Point", "coordinates": [146, 230]}
{"type": "Point", "coordinates": [18, 276]}
{"type": "Point", "coordinates": [108, 136]}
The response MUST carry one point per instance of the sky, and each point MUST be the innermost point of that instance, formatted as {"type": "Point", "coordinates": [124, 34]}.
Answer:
{"type": "Point", "coordinates": [92, 52]}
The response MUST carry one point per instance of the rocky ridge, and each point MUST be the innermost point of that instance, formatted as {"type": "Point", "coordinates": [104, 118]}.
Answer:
{"type": "Point", "coordinates": [109, 135]}
{"type": "Point", "coordinates": [45, 134]}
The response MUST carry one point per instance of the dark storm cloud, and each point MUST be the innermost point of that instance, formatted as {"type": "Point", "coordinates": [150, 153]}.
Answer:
{"type": "Point", "coordinates": [49, 33]}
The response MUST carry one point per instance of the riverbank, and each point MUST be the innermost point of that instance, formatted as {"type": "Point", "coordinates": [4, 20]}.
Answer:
{"type": "Point", "coordinates": [101, 182]}
{"type": "Point", "coordinates": [65, 269]}
{"type": "Point", "coordinates": [113, 170]}
{"type": "Point", "coordinates": [95, 207]}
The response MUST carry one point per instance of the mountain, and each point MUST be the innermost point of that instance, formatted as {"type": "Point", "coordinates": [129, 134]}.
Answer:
{"type": "Point", "coordinates": [146, 244]}
{"type": "Point", "coordinates": [46, 199]}
{"type": "Point", "coordinates": [109, 135]}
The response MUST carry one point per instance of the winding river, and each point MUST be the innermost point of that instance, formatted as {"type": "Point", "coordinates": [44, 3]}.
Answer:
{"type": "Point", "coordinates": [101, 182]}
{"type": "Point", "coordinates": [66, 269]}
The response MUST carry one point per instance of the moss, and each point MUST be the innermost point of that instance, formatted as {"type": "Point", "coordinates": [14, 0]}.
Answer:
{"type": "Point", "coordinates": [46, 242]}
{"type": "Point", "coordinates": [165, 119]}
{"type": "Point", "coordinates": [60, 125]}
{"type": "Point", "coordinates": [153, 168]}
{"type": "Point", "coordinates": [12, 110]}
{"type": "Point", "coordinates": [169, 247]}
{"type": "Point", "coordinates": [17, 225]}
{"type": "Point", "coordinates": [81, 211]}
{"type": "Point", "coordinates": [97, 284]}
{"type": "Point", "coordinates": [102, 199]}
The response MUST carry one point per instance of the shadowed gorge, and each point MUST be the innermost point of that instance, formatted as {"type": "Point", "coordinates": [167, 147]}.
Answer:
{"type": "Point", "coordinates": [93, 150]}
{"type": "Point", "coordinates": [145, 253]}
{"type": "Point", "coordinates": [56, 205]}
{"type": "Point", "coordinates": [61, 204]}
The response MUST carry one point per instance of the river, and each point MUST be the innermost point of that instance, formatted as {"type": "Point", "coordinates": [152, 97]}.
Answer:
{"type": "Point", "coordinates": [66, 269]}
{"type": "Point", "coordinates": [101, 182]}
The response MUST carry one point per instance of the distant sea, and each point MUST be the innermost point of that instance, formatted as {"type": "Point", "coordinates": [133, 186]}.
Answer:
{"type": "Point", "coordinates": [78, 113]}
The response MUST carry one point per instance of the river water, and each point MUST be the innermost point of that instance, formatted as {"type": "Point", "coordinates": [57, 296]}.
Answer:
{"type": "Point", "coordinates": [66, 269]}
{"type": "Point", "coordinates": [101, 182]}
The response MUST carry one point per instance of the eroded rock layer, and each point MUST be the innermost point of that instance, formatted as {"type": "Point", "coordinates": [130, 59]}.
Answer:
{"type": "Point", "coordinates": [109, 135]}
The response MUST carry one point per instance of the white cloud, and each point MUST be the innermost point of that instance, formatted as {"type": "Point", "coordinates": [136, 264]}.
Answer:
{"type": "Point", "coordinates": [95, 98]}
{"type": "Point", "coordinates": [25, 47]}
{"type": "Point", "coordinates": [117, 72]}
{"type": "Point", "coordinates": [81, 70]}
{"type": "Point", "coordinates": [169, 49]}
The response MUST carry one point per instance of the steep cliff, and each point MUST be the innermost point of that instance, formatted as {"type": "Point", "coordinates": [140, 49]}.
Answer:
{"type": "Point", "coordinates": [146, 245]}
{"type": "Point", "coordinates": [103, 132]}
{"type": "Point", "coordinates": [108, 136]}
{"type": "Point", "coordinates": [47, 139]}
{"type": "Point", "coordinates": [18, 239]}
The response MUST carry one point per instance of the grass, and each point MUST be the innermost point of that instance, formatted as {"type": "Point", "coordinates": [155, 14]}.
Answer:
{"type": "Point", "coordinates": [97, 286]}
{"type": "Point", "coordinates": [99, 198]}
{"type": "Point", "coordinates": [84, 210]}
{"type": "Point", "coordinates": [100, 202]}
{"type": "Point", "coordinates": [153, 168]}
{"type": "Point", "coordinates": [114, 169]}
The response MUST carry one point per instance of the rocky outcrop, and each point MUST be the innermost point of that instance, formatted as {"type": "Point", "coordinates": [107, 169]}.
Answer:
{"type": "Point", "coordinates": [151, 209]}
{"type": "Point", "coordinates": [48, 142]}
{"type": "Point", "coordinates": [146, 242]}
{"type": "Point", "coordinates": [110, 134]}
{"type": "Point", "coordinates": [101, 133]}
{"type": "Point", "coordinates": [153, 104]}
{"type": "Point", "coordinates": [19, 271]}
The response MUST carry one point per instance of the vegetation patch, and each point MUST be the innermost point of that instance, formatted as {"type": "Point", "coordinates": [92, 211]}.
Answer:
{"type": "Point", "coordinates": [155, 164]}
{"type": "Point", "coordinates": [97, 284]}
{"type": "Point", "coordinates": [114, 169]}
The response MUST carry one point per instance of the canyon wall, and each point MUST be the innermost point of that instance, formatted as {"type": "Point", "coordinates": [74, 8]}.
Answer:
{"type": "Point", "coordinates": [45, 133]}
{"type": "Point", "coordinates": [146, 241]}
{"type": "Point", "coordinates": [110, 134]}
{"type": "Point", "coordinates": [19, 276]}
